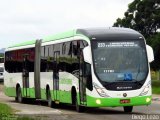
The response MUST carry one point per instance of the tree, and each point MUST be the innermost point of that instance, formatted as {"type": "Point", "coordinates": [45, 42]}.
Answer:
{"type": "Point", "coordinates": [155, 65]}
{"type": "Point", "coordinates": [143, 16]}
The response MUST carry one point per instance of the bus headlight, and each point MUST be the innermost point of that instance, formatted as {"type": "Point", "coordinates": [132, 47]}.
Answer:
{"type": "Point", "coordinates": [100, 90]}
{"type": "Point", "coordinates": [146, 89]}
{"type": "Point", "coordinates": [98, 101]}
{"type": "Point", "coordinates": [148, 100]}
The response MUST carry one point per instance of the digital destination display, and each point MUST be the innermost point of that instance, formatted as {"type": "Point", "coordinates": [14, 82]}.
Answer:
{"type": "Point", "coordinates": [116, 44]}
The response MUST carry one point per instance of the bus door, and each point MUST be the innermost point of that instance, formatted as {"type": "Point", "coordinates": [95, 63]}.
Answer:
{"type": "Point", "coordinates": [25, 76]}
{"type": "Point", "coordinates": [82, 80]}
{"type": "Point", "coordinates": [56, 75]}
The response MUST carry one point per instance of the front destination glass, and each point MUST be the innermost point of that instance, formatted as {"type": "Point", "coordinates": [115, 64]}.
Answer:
{"type": "Point", "coordinates": [120, 61]}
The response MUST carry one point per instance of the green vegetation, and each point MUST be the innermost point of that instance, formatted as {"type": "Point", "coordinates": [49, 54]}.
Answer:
{"type": "Point", "coordinates": [156, 86]}
{"type": "Point", "coordinates": [143, 16]}
{"type": "Point", "coordinates": [155, 75]}
{"type": "Point", "coordinates": [155, 43]}
{"type": "Point", "coordinates": [7, 113]}
{"type": "Point", "coordinates": [5, 109]}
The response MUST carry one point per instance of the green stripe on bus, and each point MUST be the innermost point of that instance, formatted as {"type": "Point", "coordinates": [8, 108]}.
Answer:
{"type": "Point", "coordinates": [114, 102]}
{"type": "Point", "coordinates": [59, 36]}
{"type": "Point", "coordinates": [63, 35]}
{"type": "Point", "coordinates": [65, 97]}
{"type": "Point", "coordinates": [32, 42]}
{"type": "Point", "coordinates": [10, 91]}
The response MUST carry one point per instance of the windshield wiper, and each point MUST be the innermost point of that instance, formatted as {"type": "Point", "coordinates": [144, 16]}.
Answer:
{"type": "Point", "coordinates": [133, 80]}
{"type": "Point", "coordinates": [108, 83]}
{"type": "Point", "coordinates": [139, 70]}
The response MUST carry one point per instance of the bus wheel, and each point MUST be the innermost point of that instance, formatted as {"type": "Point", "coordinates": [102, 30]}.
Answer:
{"type": "Point", "coordinates": [16, 98]}
{"type": "Point", "coordinates": [50, 102]}
{"type": "Point", "coordinates": [128, 109]}
{"type": "Point", "coordinates": [19, 95]}
{"type": "Point", "coordinates": [78, 107]}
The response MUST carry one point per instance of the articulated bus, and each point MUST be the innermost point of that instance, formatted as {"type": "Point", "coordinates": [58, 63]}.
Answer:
{"type": "Point", "coordinates": [103, 67]}
{"type": "Point", "coordinates": [1, 69]}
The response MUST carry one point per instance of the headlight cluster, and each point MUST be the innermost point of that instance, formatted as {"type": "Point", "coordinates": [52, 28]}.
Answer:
{"type": "Point", "coordinates": [100, 90]}
{"type": "Point", "coordinates": [146, 89]}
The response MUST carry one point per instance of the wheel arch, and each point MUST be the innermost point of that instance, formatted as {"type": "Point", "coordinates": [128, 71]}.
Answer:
{"type": "Point", "coordinates": [17, 86]}
{"type": "Point", "coordinates": [47, 89]}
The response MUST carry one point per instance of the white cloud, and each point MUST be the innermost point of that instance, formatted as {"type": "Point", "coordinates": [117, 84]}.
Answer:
{"type": "Point", "coordinates": [31, 19]}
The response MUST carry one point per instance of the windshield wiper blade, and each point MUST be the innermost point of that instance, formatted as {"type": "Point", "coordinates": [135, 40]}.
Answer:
{"type": "Point", "coordinates": [133, 80]}
{"type": "Point", "coordinates": [108, 83]}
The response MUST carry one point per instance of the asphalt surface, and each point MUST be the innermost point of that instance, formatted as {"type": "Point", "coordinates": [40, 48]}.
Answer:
{"type": "Point", "coordinates": [66, 112]}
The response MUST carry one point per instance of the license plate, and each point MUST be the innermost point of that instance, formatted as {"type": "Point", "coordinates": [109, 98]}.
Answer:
{"type": "Point", "coordinates": [123, 101]}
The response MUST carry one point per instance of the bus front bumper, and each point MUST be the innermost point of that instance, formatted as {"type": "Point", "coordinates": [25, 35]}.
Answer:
{"type": "Point", "coordinates": [115, 102]}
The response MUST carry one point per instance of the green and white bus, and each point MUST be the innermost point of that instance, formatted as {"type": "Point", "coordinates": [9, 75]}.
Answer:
{"type": "Point", "coordinates": [1, 69]}
{"type": "Point", "coordinates": [103, 67]}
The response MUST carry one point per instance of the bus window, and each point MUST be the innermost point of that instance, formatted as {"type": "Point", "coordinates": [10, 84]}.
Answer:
{"type": "Point", "coordinates": [1, 60]}
{"type": "Point", "coordinates": [43, 60]}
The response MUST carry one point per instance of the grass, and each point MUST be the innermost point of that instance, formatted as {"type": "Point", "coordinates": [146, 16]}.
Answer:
{"type": "Point", "coordinates": [5, 109]}
{"type": "Point", "coordinates": [155, 76]}
{"type": "Point", "coordinates": [156, 86]}
{"type": "Point", "coordinates": [7, 113]}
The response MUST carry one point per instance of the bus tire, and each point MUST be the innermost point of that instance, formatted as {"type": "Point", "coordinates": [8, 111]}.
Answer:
{"type": "Point", "coordinates": [78, 107]}
{"type": "Point", "coordinates": [19, 95]}
{"type": "Point", "coordinates": [49, 100]}
{"type": "Point", "coordinates": [128, 109]}
{"type": "Point", "coordinates": [16, 98]}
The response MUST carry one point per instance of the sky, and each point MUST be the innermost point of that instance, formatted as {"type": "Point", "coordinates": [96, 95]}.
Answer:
{"type": "Point", "coordinates": [23, 20]}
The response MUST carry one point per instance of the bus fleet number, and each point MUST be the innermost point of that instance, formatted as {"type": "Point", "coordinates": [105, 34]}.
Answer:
{"type": "Point", "coordinates": [101, 45]}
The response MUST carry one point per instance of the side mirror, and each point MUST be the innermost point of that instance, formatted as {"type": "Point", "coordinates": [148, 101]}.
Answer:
{"type": "Point", "coordinates": [150, 53]}
{"type": "Point", "coordinates": [87, 54]}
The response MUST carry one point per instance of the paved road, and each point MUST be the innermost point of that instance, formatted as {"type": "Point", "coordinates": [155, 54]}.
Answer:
{"type": "Point", "coordinates": [66, 112]}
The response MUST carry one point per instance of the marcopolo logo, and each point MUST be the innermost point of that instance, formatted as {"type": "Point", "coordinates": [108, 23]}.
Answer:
{"type": "Point", "coordinates": [145, 117]}
{"type": "Point", "coordinates": [124, 94]}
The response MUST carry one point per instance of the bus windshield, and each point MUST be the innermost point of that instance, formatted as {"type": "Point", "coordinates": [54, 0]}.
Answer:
{"type": "Point", "coordinates": [117, 61]}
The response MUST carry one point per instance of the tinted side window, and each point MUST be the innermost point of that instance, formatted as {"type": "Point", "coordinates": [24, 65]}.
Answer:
{"type": "Point", "coordinates": [75, 58]}
{"type": "Point", "coordinates": [65, 56]}
{"type": "Point", "coordinates": [77, 47]}
{"type": "Point", "coordinates": [43, 60]}
{"type": "Point", "coordinates": [50, 58]}
{"type": "Point", "coordinates": [14, 60]}
{"type": "Point", "coordinates": [47, 58]}
{"type": "Point", "coordinates": [1, 60]}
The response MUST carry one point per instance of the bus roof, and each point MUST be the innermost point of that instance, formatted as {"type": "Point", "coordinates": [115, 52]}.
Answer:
{"type": "Point", "coordinates": [62, 35]}
{"type": "Point", "coordinates": [110, 32]}
{"type": "Point", "coordinates": [67, 34]}
{"type": "Point", "coordinates": [31, 42]}
{"type": "Point", "coordinates": [99, 33]}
